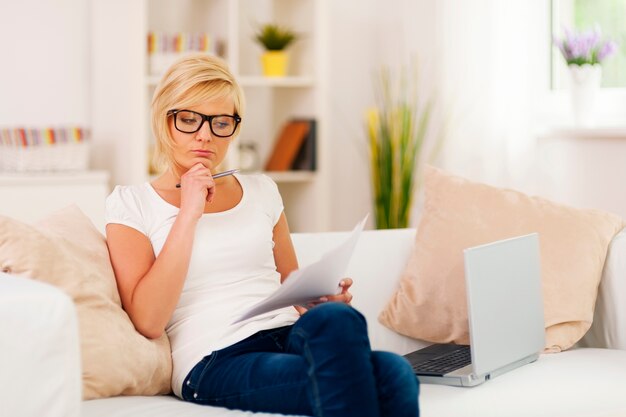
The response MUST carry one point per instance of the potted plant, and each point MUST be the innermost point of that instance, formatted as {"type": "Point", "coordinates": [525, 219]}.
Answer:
{"type": "Point", "coordinates": [400, 142]}
{"type": "Point", "coordinates": [274, 39]}
{"type": "Point", "coordinates": [584, 53]}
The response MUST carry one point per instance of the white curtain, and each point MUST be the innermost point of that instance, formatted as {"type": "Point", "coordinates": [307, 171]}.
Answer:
{"type": "Point", "coordinates": [495, 68]}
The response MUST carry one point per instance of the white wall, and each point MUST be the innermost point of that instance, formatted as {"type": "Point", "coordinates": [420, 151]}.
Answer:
{"type": "Point", "coordinates": [45, 62]}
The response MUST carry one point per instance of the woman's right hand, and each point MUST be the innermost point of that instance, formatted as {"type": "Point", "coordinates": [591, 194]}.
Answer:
{"type": "Point", "coordinates": [196, 187]}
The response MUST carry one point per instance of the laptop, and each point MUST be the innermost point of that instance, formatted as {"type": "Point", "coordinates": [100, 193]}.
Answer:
{"type": "Point", "coordinates": [505, 311]}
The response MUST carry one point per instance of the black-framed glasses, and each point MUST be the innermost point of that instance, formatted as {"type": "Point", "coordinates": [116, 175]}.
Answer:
{"type": "Point", "coordinates": [188, 121]}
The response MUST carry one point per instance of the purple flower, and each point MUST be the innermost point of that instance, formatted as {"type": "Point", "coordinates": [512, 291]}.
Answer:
{"type": "Point", "coordinates": [606, 50]}
{"type": "Point", "coordinates": [584, 47]}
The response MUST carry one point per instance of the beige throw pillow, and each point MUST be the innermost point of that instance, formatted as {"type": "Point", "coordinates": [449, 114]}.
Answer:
{"type": "Point", "coordinates": [67, 251]}
{"type": "Point", "coordinates": [430, 303]}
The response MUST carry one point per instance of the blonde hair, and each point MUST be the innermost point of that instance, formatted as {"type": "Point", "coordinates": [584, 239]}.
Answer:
{"type": "Point", "coordinates": [191, 80]}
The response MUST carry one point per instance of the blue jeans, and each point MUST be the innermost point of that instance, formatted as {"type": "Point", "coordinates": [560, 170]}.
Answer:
{"type": "Point", "coordinates": [322, 365]}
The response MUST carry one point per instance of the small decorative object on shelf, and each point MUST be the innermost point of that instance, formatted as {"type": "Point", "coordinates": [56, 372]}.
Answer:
{"type": "Point", "coordinates": [584, 53]}
{"type": "Point", "coordinates": [47, 149]}
{"type": "Point", "coordinates": [165, 48]}
{"type": "Point", "coordinates": [275, 39]}
{"type": "Point", "coordinates": [249, 160]}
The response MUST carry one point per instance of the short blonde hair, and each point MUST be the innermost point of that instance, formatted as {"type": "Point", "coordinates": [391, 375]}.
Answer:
{"type": "Point", "coordinates": [191, 80]}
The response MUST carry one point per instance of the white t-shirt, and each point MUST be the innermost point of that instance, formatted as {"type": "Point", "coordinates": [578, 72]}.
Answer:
{"type": "Point", "coordinates": [232, 267]}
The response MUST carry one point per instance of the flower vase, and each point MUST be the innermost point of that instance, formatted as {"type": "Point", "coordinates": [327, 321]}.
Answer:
{"type": "Point", "coordinates": [584, 84]}
{"type": "Point", "coordinates": [274, 63]}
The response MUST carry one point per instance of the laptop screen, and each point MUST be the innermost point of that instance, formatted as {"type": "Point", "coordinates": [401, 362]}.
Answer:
{"type": "Point", "coordinates": [505, 303]}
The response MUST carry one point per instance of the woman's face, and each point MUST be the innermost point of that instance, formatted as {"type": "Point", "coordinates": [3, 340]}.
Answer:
{"type": "Point", "coordinates": [202, 146]}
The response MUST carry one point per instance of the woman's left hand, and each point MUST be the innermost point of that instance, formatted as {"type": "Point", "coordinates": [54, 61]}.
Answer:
{"type": "Point", "coordinates": [343, 297]}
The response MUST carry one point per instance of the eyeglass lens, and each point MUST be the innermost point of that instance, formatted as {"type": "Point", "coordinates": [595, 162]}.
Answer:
{"type": "Point", "coordinates": [188, 121]}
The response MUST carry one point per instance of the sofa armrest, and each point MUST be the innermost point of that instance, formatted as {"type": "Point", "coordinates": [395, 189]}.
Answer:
{"type": "Point", "coordinates": [608, 329]}
{"type": "Point", "coordinates": [39, 350]}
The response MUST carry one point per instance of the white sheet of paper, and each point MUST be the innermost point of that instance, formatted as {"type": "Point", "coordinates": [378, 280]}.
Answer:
{"type": "Point", "coordinates": [316, 280]}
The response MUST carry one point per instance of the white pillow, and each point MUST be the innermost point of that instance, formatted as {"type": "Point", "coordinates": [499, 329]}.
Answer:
{"type": "Point", "coordinates": [609, 321]}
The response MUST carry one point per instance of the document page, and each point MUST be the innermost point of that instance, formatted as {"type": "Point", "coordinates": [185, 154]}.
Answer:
{"type": "Point", "coordinates": [309, 283]}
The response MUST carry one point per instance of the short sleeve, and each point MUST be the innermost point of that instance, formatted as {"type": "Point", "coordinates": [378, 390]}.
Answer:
{"type": "Point", "coordinates": [122, 207]}
{"type": "Point", "coordinates": [274, 200]}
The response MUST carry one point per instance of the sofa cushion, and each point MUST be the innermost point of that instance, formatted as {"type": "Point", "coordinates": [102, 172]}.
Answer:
{"type": "Point", "coordinates": [430, 302]}
{"type": "Point", "coordinates": [67, 251]}
{"type": "Point", "coordinates": [160, 406]}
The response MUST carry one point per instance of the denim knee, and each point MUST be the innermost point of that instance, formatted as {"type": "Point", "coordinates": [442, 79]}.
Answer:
{"type": "Point", "coordinates": [329, 315]}
{"type": "Point", "coordinates": [396, 378]}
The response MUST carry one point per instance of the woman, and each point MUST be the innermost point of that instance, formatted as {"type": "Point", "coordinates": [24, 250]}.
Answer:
{"type": "Point", "coordinates": [190, 259]}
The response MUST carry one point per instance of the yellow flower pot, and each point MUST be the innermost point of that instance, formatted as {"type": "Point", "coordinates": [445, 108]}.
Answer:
{"type": "Point", "coordinates": [274, 63]}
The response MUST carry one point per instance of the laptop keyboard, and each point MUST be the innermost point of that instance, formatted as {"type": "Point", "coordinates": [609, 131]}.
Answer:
{"type": "Point", "coordinates": [446, 363]}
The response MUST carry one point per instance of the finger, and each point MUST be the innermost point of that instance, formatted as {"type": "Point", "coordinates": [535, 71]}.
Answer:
{"type": "Point", "coordinates": [300, 309]}
{"type": "Point", "coordinates": [317, 302]}
{"type": "Point", "coordinates": [195, 166]}
{"type": "Point", "coordinates": [196, 172]}
{"type": "Point", "coordinates": [341, 298]}
{"type": "Point", "coordinates": [345, 284]}
{"type": "Point", "coordinates": [210, 193]}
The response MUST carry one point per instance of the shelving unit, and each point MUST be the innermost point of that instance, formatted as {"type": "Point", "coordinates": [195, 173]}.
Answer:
{"type": "Point", "coordinates": [123, 85]}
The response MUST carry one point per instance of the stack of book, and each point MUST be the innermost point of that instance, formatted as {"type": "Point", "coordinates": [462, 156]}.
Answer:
{"type": "Point", "coordinates": [44, 149]}
{"type": "Point", "coordinates": [165, 48]}
{"type": "Point", "coordinates": [294, 149]}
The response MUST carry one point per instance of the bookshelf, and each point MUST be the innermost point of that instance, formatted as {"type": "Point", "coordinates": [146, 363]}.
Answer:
{"type": "Point", "coordinates": [124, 84]}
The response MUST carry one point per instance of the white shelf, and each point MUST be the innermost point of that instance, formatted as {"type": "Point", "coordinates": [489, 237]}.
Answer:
{"type": "Point", "coordinates": [261, 81]}
{"type": "Point", "coordinates": [257, 81]}
{"type": "Point", "coordinates": [291, 176]}
{"type": "Point", "coordinates": [608, 132]}
{"type": "Point", "coordinates": [52, 178]}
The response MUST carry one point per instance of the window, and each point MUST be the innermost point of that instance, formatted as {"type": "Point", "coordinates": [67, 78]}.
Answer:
{"type": "Point", "coordinates": [610, 17]}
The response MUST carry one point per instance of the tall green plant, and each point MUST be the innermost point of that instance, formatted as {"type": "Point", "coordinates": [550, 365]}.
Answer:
{"type": "Point", "coordinates": [397, 130]}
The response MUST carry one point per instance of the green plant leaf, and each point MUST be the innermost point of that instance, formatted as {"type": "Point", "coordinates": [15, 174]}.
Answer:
{"type": "Point", "coordinates": [397, 131]}
{"type": "Point", "coordinates": [274, 37]}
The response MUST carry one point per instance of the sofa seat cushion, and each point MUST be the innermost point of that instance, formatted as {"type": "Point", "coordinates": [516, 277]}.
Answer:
{"type": "Point", "coordinates": [575, 383]}
{"type": "Point", "coordinates": [157, 406]}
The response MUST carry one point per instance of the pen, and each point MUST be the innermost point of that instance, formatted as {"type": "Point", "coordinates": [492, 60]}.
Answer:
{"type": "Point", "coordinates": [220, 174]}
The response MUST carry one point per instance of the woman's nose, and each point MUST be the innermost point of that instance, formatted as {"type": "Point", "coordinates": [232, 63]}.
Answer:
{"type": "Point", "coordinates": [204, 133]}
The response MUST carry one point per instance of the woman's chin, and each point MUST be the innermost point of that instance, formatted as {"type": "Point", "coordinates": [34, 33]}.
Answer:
{"type": "Point", "coordinates": [185, 166]}
{"type": "Point", "coordinates": [207, 163]}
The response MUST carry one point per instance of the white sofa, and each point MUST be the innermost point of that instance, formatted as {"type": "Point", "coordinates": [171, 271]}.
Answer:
{"type": "Point", "coordinates": [40, 367]}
